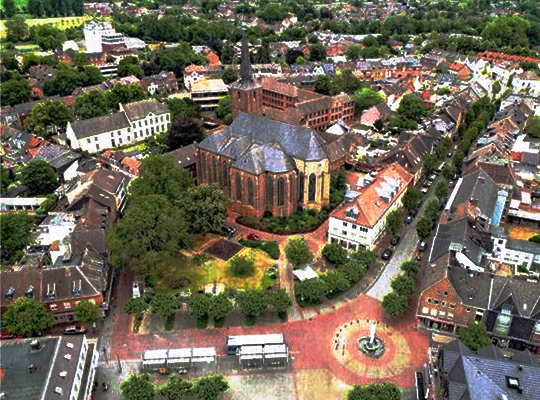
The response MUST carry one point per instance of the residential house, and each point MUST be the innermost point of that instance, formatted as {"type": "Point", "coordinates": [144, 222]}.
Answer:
{"type": "Point", "coordinates": [186, 157]}
{"type": "Point", "coordinates": [361, 222]}
{"type": "Point", "coordinates": [487, 373]}
{"type": "Point", "coordinates": [134, 122]}
{"type": "Point", "coordinates": [49, 368]}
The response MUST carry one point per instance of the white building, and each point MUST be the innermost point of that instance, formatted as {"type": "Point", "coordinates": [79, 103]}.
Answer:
{"type": "Point", "coordinates": [515, 252]}
{"type": "Point", "coordinates": [361, 222]}
{"type": "Point", "coordinates": [134, 122]}
{"type": "Point", "coordinates": [93, 31]}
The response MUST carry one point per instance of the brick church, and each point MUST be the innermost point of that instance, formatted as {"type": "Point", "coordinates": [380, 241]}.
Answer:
{"type": "Point", "coordinates": [267, 165]}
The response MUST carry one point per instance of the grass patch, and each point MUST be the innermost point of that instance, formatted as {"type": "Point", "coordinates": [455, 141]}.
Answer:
{"type": "Point", "coordinates": [269, 247]}
{"type": "Point", "coordinates": [177, 269]}
{"type": "Point", "coordinates": [241, 267]}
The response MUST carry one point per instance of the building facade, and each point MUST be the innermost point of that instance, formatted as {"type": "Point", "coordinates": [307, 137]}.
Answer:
{"type": "Point", "coordinates": [134, 122]}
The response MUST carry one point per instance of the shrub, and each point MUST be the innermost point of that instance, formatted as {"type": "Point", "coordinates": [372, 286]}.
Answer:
{"type": "Point", "coordinates": [242, 267]}
{"type": "Point", "coordinates": [394, 304]}
{"type": "Point", "coordinates": [269, 247]}
{"type": "Point", "coordinates": [334, 253]}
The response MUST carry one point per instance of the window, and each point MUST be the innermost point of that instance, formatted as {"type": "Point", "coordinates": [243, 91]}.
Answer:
{"type": "Point", "coordinates": [445, 293]}
{"type": "Point", "coordinates": [291, 191]}
{"type": "Point", "coordinates": [162, 118]}
{"type": "Point", "coordinates": [152, 130]}
{"type": "Point", "coordinates": [97, 146]}
{"type": "Point", "coordinates": [135, 135]}
{"type": "Point", "coordinates": [354, 226]}
{"type": "Point", "coordinates": [270, 191]}
{"type": "Point", "coordinates": [54, 307]}
{"type": "Point", "coordinates": [301, 178]}
{"type": "Point", "coordinates": [147, 132]}
{"type": "Point", "coordinates": [281, 192]}
{"type": "Point", "coordinates": [344, 233]}
{"type": "Point", "coordinates": [87, 140]}
{"type": "Point", "coordinates": [128, 138]}
{"type": "Point", "coordinates": [429, 300]}
{"type": "Point", "coordinates": [250, 191]}
{"type": "Point", "coordinates": [119, 140]}
{"type": "Point", "coordinates": [67, 306]}
{"type": "Point", "coordinates": [312, 187]}
{"type": "Point", "coordinates": [344, 224]}
{"type": "Point", "coordinates": [225, 173]}
{"type": "Point", "coordinates": [146, 122]}
{"type": "Point", "coordinates": [238, 180]}
{"type": "Point", "coordinates": [214, 169]}
{"type": "Point", "coordinates": [140, 124]}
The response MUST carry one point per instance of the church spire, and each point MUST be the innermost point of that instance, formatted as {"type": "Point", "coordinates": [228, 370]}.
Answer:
{"type": "Point", "coordinates": [246, 77]}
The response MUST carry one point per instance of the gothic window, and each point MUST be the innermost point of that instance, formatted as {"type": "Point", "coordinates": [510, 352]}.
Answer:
{"type": "Point", "coordinates": [238, 187]}
{"type": "Point", "coordinates": [225, 173]}
{"type": "Point", "coordinates": [214, 170]}
{"type": "Point", "coordinates": [250, 191]}
{"type": "Point", "coordinates": [281, 192]}
{"type": "Point", "coordinates": [291, 191]}
{"type": "Point", "coordinates": [312, 187]}
{"type": "Point", "coordinates": [301, 186]}
{"type": "Point", "coordinates": [270, 191]}
{"type": "Point", "coordinates": [322, 185]}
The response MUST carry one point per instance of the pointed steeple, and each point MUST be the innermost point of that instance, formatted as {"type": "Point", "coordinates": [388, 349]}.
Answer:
{"type": "Point", "coordinates": [246, 77]}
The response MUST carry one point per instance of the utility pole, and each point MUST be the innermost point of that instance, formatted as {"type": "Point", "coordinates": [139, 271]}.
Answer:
{"type": "Point", "coordinates": [119, 365]}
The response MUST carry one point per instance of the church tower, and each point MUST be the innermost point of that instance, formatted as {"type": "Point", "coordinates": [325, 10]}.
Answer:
{"type": "Point", "coordinates": [245, 94]}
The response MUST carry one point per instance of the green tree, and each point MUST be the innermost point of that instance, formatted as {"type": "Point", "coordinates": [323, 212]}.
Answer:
{"type": "Point", "coordinates": [47, 36]}
{"type": "Point", "coordinates": [443, 90]}
{"type": "Point", "coordinates": [410, 267]}
{"type": "Point", "coordinates": [205, 208]}
{"type": "Point", "coordinates": [280, 301]}
{"type": "Point", "coordinates": [63, 83]}
{"type": "Point", "coordinates": [223, 110]}
{"type": "Point", "coordinates": [298, 252]}
{"type": "Point", "coordinates": [365, 257]}
{"type": "Point", "coordinates": [164, 304]}
{"type": "Point", "coordinates": [150, 227]}
{"type": "Point", "coordinates": [403, 285]}
{"type": "Point", "coordinates": [26, 317]}
{"type": "Point", "coordinates": [411, 199]}
{"type": "Point", "coordinates": [176, 388]}
{"type": "Point", "coordinates": [46, 116]}
{"type": "Point", "coordinates": [15, 91]}
{"type": "Point", "coordinates": [135, 306]}
{"type": "Point", "coordinates": [352, 270]}
{"type": "Point", "coordinates": [448, 172]}
{"type": "Point", "coordinates": [317, 52]}
{"type": "Point", "coordinates": [200, 305]}
{"type": "Point", "coordinates": [229, 76]}
{"type": "Point", "coordinates": [375, 391]}
{"type": "Point", "coordinates": [91, 104]}
{"type": "Point", "coordinates": [87, 312]}
{"type": "Point", "coordinates": [39, 178]}
{"type": "Point", "coordinates": [441, 190]}
{"type": "Point", "coordinates": [15, 228]}
{"type": "Point", "coordinates": [532, 129]}
{"type": "Point", "coordinates": [496, 88]}
{"type": "Point", "coordinates": [310, 290]}
{"type": "Point", "coordinates": [534, 238]}
{"type": "Point", "coordinates": [273, 13]}
{"type": "Point", "coordinates": [250, 304]}
{"type": "Point", "coordinates": [354, 52]}
{"type": "Point", "coordinates": [183, 132]}
{"type": "Point", "coordinates": [334, 253]}
{"type": "Point", "coordinates": [335, 283]}
{"type": "Point", "coordinates": [242, 267]}
{"type": "Point", "coordinates": [394, 304]}
{"type": "Point", "coordinates": [16, 29]}
{"type": "Point", "coordinates": [161, 175]}
{"type": "Point", "coordinates": [432, 209]}
{"type": "Point", "coordinates": [138, 387]}
{"type": "Point", "coordinates": [394, 222]}
{"type": "Point", "coordinates": [183, 108]}
{"type": "Point", "coordinates": [475, 336]}
{"type": "Point", "coordinates": [412, 107]}
{"type": "Point", "coordinates": [220, 307]}
{"type": "Point", "coordinates": [323, 85]}
{"type": "Point", "coordinates": [424, 226]}
{"type": "Point", "coordinates": [9, 8]}
{"type": "Point", "coordinates": [367, 98]}
{"type": "Point", "coordinates": [209, 387]}
{"type": "Point", "coordinates": [91, 76]}
{"type": "Point", "coordinates": [130, 66]}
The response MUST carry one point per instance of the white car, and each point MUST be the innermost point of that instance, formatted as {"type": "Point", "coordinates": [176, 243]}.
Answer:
{"type": "Point", "coordinates": [136, 291]}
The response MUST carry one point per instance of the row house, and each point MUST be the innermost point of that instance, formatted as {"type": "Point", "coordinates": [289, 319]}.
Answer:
{"type": "Point", "coordinates": [361, 222]}
{"type": "Point", "coordinates": [165, 82]}
{"type": "Point", "coordinates": [134, 122]}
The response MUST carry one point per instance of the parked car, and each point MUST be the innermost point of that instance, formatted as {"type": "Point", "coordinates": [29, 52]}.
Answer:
{"type": "Point", "coordinates": [136, 291]}
{"type": "Point", "coordinates": [409, 219]}
{"type": "Point", "coordinates": [253, 237]}
{"type": "Point", "coordinates": [449, 154]}
{"type": "Point", "coordinates": [422, 246]}
{"type": "Point", "coordinates": [74, 330]}
{"type": "Point", "coordinates": [227, 231]}
{"type": "Point", "coordinates": [387, 254]}
{"type": "Point", "coordinates": [395, 240]}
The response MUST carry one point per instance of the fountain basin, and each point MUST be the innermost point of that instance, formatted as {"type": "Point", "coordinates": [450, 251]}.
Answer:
{"type": "Point", "coordinates": [371, 346]}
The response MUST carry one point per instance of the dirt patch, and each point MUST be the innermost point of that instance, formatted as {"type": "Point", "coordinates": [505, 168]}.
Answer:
{"type": "Point", "coordinates": [223, 249]}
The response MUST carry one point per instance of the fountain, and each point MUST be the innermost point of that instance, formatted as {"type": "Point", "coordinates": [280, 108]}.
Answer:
{"type": "Point", "coordinates": [371, 346]}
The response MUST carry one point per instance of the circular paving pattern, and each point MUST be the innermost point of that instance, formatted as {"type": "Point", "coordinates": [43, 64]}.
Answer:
{"type": "Point", "coordinates": [395, 360]}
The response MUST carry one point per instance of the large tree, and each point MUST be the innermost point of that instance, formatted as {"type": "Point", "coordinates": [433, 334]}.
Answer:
{"type": "Point", "coordinates": [394, 222]}
{"type": "Point", "coordinates": [199, 304]}
{"type": "Point", "coordinates": [164, 304]}
{"type": "Point", "coordinates": [183, 132]}
{"type": "Point", "coordinates": [532, 128]}
{"type": "Point", "coordinates": [47, 36]}
{"type": "Point", "coordinates": [375, 391]}
{"type": "Point", "coordinates": [9, 8]}
{"type": "Point", "coordinates": [410, 267]}
{"type": "Point", "coordinates": [335, 253]}
{"type": "Point", "coordinates": [205, 208]}
{"type": "Point", "coordinates": [129, 66]}
{"type": "Point", "coordinates": [475, 336]}
{"type": "Point", "coordinates": [15, 231]}
{"type": "Point", "coordinates": [412, 107]}
{"type": "Point", "coordinates": [39, 178]}
{"type": "Point", "coordinates": [135, 306]}
{"type": "Point", "coordinates": [280, 301]}
{"type": "Point", "coordinates": [298, 252]}
{"type": "Point", "coordinates": [47, 116]}
{"type": "Point", "coordinates": [209, 387]}
{"type": "Point", "coordinates": [251, 303]}
{"type": "Point", "coordinates": [15, 91]}
{"type": "Point", "coordinates": [138, 387]}
{"type": "Point", "coordinates": [424, 226]}
{"type": "Point", "coordinates": [352, 270]}
{"type": "Point", "coordinates": [220, 307]}
{"type": "Point", "coordinates": [91, 104]}
{"type": "Point", "coordinates": [87, 312]}
{"type": "Point", "coordinates": [367, 98]}
{"type": "Point", "coordinates": [411, 198]}
{"type": "Point", "coordinates": [26, 317]}
{"type": "Point", "coordinates": [16, 29]}
{"type": "Point", "coordinates": [394, 304]}
{"type": "Point", "coordinates": [335, 282]}
{"type": "Point", "coordinates": [310, 290]}
{"type": "Point", "coordinates": [161, 175]}
{"type": "Point", "coordinates": [403, 285]}
{"type": "Point", "coordinates": [176, 388]}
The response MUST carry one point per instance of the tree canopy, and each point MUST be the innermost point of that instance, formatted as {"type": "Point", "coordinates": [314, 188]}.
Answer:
{"type": "Point", "coordinates": [205, 208]}
{"type": "Point", "coordinates": [367, 98]}
{"type": "Point", "coordinates": [39, 178]}
{"type": "Point", "coordinates": [394, 304]}
{"type": "Point", "coordinates": [310, 290]}
{"type": "Point", "coordinates": [475, 336]}
{"type": "Point", "coordinates": [394, 222]}
{"type": "Point", "coordinates": [375, 391]}
{"type": "Point", "coordinates": [87, 312]}
{"type": "Point", "coordinates": [533, 127]}
{"type": "Point", "coordinates": [209, 387]}
{"type": "Point", "coordinates": [138, 387]}
{"type": "Point", "coordinates": [46, 116]}
{"type": "Point", "coordinates": [403, 285]}
{"type": "Point", "coordinates": [298, 252]}
{"type": "Point", "coordinates": [15, 228]}
{"type": "Point", "coordinates": [251, 303]}
{"type": "Point", "coordinates": [26, 317]}
{"type": "Point", "coordinates": [334, 252]}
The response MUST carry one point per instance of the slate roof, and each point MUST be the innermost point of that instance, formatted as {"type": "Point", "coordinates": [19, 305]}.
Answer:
{"type": "Point", "coordinates": [474, 288]}
{"type": "Point", "coordinates": [479, 187]}
{"type": "Point", "coordinates": [141, 109]}
{"type": "Point", "coordinates": [483, 374]}
{"type": "Point", "coordinates": [457, 233]}
{"type": "Point", "coordinates": [263, 158]}
{"type": "Point", "coordinates": [98, 125]}
{"type": "Point", "coordinates": [296, 141]}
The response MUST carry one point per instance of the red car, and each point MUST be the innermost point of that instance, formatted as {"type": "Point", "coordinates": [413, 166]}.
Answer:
{"type": "Point", "coordinates": [253, 237]}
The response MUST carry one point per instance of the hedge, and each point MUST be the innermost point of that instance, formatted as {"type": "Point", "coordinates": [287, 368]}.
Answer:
{"type": "Point", "coordinates": [269, 247]}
